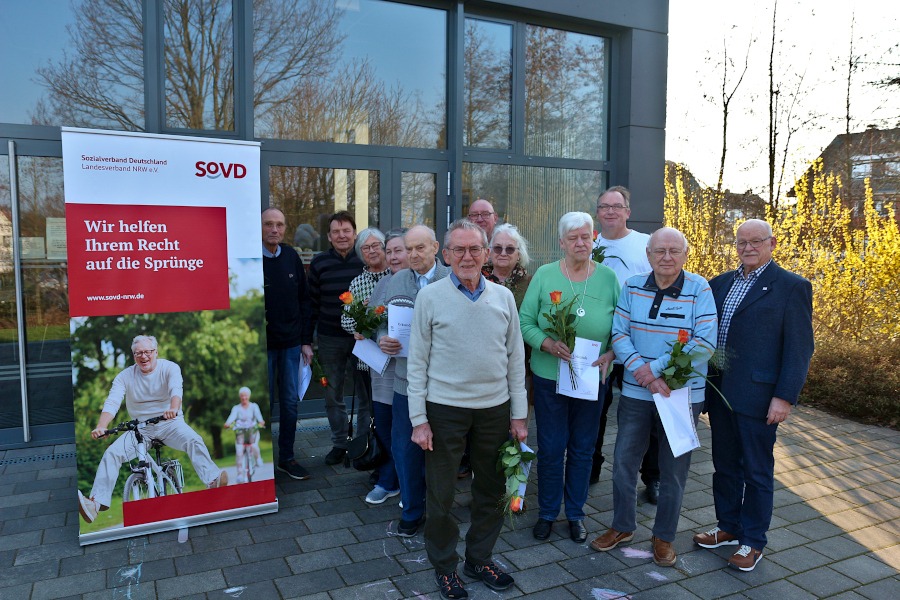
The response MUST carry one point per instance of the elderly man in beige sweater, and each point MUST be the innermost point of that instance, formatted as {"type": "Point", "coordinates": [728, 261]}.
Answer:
{"type": "Point", "coordinates": [458, 319]}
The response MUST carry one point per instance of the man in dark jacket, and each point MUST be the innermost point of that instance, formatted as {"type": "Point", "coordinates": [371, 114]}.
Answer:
{"type": "Point", "coordinates": [765, 329]}
{"type": "Point", "coordinates": [330, 274]}
{"type": "Point", "coordinates": [288, 332]}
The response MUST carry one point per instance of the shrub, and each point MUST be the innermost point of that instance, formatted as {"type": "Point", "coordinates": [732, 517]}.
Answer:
{"type": "Point", "coordinates": [856, 380]}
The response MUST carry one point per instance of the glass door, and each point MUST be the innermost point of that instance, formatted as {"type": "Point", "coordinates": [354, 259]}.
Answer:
{"type": "Point", "coordinates": [34, 305]}
{"type": "Point", "coordinates": [421, 194]}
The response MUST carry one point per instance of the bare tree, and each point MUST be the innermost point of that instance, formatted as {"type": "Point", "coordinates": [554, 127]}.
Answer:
{"type": "Point", "coordinates": [101, 82]}
{"type": "Point", "coordinates": [727, 97]}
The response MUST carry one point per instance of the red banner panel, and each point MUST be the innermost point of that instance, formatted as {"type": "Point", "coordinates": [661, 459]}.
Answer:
{"type": "Point", "coordinates": [179, 506]}
{"type": "Point", "coordinates": [127, 259]}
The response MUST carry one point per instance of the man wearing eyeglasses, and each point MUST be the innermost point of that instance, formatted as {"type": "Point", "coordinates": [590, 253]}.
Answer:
{"type": "Point", "coordinates": [765, 316]}
{"type": "Point", "coordinates": [482, 214]}
{"type": "Point", "coordinates": [463, 316]}
{"type": "Point", "coordinates": [652, 311]}
{"type": "Point", "coordinates": [151, 387]}
{"type": "Point", "coordinates": [402, 290]}
{"type": "Point", "coordinates": [626, 254]}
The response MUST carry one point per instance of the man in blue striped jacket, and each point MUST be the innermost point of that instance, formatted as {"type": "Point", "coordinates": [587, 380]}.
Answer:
{"type": "Point", "coordinates": [651, 311]}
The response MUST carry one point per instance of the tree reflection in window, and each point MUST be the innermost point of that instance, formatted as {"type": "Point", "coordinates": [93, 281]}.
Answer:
{"type": "Point", "coordinates": [565, 94]}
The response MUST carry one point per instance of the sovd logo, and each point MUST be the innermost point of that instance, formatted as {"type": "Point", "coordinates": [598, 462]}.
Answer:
{"type": "Point", "coordinates": [214, 170]}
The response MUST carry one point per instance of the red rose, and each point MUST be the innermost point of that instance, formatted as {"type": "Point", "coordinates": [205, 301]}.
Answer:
{"type": "Point", "coordinates": [556, 297]}
{"type": "Point", "coordinates": [346, 297]}
{"type": "Point", "coordinates": [379, 310]}
{"type": "Point", "coordinates": [683, 336]}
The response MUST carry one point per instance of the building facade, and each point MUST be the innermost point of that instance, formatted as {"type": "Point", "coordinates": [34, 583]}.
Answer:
{"type": "Point", "coordinates": [401, 112]}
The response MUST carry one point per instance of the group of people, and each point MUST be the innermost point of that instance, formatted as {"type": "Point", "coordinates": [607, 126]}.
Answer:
{"type": "Point", "coordinates": [479, 355]}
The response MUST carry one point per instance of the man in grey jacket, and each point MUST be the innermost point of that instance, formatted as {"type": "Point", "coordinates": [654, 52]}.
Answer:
{"type": "Point", "coordinates": [422, 248]}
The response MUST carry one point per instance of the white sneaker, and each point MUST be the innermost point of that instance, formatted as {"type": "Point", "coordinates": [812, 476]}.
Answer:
{"type": "Point", "coordinates": [379, 495]}
{"type": "Point", "coordinates": [259, 462]}
{"type": "Point", "coordinates": [88, 507]}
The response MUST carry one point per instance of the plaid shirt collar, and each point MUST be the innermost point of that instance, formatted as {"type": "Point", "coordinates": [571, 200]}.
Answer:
{"type": "Point", "coordinates": [754, 274]}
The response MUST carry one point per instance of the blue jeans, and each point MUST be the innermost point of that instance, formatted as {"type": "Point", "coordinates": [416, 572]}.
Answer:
{"type": "Point", "coordinates": [744, 480]}
{"type": "Point", "coordinates": [566, 427]}
{"type": "Point", "coordinates": [409, 460]}
{"type": "Point", "coordinates": [387, 473]}
{"type": "Point", "coordinates": [284, 371]}
{"type": "Point", "coordinates": [636, 420]}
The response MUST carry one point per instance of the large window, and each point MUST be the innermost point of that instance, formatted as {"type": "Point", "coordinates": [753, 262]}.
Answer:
{"type": "Point", "coordinates": [76, 63]}
{"type": "Point", "coordinates": [199, 64]}
{"type": "Point", "coordinates": [565, 94]}
{"type": "Point", "coordinates": [350, 71]}
{"type": "Point", "coordinates": [533, 199]}
{"type": "Point", "coordinates": [487, 116]}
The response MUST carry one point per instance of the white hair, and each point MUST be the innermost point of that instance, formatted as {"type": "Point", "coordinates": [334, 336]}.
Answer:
{"type": "Point", "coordinates": [667, 230]}
{"type": "Point", "coordinates": [521, 244]}
{"type": "Point", "coordinates": [143, 338]}
{"type": "Point", "coordinates": [574, 220]}
{"type": "Point", "coordinates": [363, 236]}
{"type": "Point", "coordinates": [467, 225]}
{"type": "Point", "coordinates": [244, 390]}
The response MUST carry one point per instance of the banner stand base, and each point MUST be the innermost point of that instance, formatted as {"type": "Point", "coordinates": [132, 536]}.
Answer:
{"type": "Point", "coordinates": [108, 535]}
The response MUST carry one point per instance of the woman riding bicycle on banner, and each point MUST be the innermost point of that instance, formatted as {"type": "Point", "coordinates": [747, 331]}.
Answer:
{"type": "Point", "coordinates": [246, 419]}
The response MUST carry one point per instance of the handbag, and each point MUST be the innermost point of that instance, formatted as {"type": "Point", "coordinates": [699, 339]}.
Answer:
{"type": "Point", "coordinates": [365, 451]}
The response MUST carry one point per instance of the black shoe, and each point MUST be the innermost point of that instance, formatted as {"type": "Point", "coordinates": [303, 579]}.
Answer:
{"type": "Point", "coordinates": [409, 528]}
{"type": "Point", "coordinates": [373, 477]}
{"type": "Point", "coordinates": [294, 470]}
{"type": "Point", "coordinates": [490, 574]}
{"type": "Point", "coordinates": [577, 531]}
{"type": "Point", "coordinates": [335, 456]}
{"type": "Point", "coordinates": [465, 467]}
{"type": "Point", "coordinates": [542, 529]}
{"type": "Point", "coordinates": [596, 465]}
{"type": "Point", "coordinates": [450, 586]}
{"type": "Point", "coordinates": [653, 491]}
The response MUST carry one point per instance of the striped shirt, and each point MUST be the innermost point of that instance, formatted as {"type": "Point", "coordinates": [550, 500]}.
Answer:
{"type": "Point", "coordinates": [739, 288]}
{"type": "Point", "coordinates": [330, 275]}
{"type": "Point", "coordinates": [647, 322]}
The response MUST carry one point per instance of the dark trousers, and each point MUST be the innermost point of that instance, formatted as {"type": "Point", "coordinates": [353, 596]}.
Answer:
{"type": "Point", "coordinates": [284, 372]}
{"type": "Point", "coordinates": [409, 461]}
{"type": "Point", "coordinates": [336, 355]}
{"type": "Point", "coordinates": [487, 429]}
{"type": "Point", "coordinates": [384, 419]}
{"type": "Point", "coordinates": [744, 480]}
{"type": "Point", "coordinates": [650, 463]}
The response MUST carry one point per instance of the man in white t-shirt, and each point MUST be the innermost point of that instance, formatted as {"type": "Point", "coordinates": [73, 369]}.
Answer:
{"type": "Point", "coordinates": [151, 387]}
{"type": "Point", "coordinates": [626, 254]}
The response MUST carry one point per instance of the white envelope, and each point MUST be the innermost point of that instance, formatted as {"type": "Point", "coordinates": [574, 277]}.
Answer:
{"type": "Point", "coordinates": [677, 416]}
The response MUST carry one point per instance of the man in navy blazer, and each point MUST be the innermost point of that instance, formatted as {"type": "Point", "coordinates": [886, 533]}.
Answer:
{"type": "Point", "coordinates": [765, 329]}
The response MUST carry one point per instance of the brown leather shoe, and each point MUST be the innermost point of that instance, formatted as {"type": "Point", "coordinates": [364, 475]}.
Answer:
{"type": "Point", "coordinates": [714, 538]}
{"type": "Point", "coordinates": [611, 539]}
{"type": "Point", "coordinates": [745, 558]}
{"type": "Point", "coordinates": [663, 552]}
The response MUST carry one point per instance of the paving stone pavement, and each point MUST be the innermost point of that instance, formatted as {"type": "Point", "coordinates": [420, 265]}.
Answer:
{"type": "Point", "coordinates": [835, 533]}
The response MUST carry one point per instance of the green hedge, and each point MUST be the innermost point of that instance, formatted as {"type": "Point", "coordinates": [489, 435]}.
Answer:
{"type": "Point", "coordinates": [860, 381]}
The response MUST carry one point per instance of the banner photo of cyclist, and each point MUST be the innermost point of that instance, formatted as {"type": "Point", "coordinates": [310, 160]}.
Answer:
{"type": "Point", "coordinates": [167, 325]}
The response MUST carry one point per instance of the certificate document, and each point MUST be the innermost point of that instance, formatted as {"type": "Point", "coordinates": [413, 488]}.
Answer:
{"type": "Point", "coordinates": [399, 326]}
{"type": "Point", "coordinates": [369, 352]}
{"type": "Point", "coordinates": [677, 416]}
{"type": "Point", "coordinates": [581, 381]}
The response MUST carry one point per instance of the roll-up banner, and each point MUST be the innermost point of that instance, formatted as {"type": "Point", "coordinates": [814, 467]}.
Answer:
{"type": "Point", "coordinates": [167, 327]}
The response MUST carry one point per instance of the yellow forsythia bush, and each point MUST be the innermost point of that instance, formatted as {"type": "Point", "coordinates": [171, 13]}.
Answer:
{"type": "Point", "coordinates": [854, 268]}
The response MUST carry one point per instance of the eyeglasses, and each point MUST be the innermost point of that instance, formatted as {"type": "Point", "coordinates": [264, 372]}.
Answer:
{"type": "Point", "coordinates": [372, 247]}
{"type": "Point", "coordinates": [479, 215]}
{"type": "Point", "coordinates": [510, 250]}
{"type": "Point", "coordinates": [143, 353]}
{"type": "Point", "coordinates": [460, 251]}
{"type": "Point", "coordinates": [673, 252]}
{"type": "Point", "coordinates": [610, 207]}
{"type": "Point", "coordinates": [753, 243]}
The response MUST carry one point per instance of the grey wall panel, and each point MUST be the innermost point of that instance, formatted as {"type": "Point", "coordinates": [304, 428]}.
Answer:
{"type": "Point", "coordinates": [644, 177]}
{"type": "Point", "coordinates": [651, 15]}
{"type": "Point", "coordinates": [649, 55]}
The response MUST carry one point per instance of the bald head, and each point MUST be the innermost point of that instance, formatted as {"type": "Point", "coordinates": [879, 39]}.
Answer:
{"type": "Point", "coordinates": [421, 248]}
{"type": "Point", "coordinates": [482, 214]}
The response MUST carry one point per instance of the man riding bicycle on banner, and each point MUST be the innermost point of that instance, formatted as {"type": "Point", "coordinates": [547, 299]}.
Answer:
{"type": "Point", "coordinates": [151, 387]}
{"type": "Point", "coordinates": [246, 419]}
